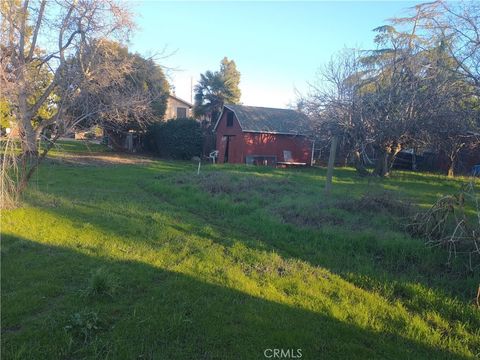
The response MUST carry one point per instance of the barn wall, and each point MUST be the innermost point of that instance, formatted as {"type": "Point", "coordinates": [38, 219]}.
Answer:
{"type": "Point", "coordinates": [237, 144]}
{"type": "Point", "coordinates": [245, 144]}
{"type": "Point", "coordinates": [272, 144]}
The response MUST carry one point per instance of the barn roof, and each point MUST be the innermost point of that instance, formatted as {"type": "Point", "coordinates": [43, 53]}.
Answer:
{"type": "Point", "coordinates": [269, 120]}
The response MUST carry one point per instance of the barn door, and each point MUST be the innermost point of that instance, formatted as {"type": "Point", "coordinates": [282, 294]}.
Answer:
{"type": "Point", "coordinates": [226, 140]}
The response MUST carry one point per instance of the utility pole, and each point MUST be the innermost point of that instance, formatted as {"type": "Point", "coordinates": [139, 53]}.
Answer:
{"type": "Point", "coordinates": [191, 89]}
{"type": "Point", "coordinates": [331, 163]}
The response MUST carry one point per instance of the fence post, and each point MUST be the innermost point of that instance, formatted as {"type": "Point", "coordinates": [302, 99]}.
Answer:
{"type": "Point", "coordinates": [331, 163]}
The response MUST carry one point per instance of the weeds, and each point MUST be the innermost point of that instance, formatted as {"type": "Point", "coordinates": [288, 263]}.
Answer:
{"type": "Point", "coordinates": [381, 202]}
{"type": "Point", "coordinates": [83, 326]}
{"type": "Point", "coordinates": [9, 173]}
{"type": "Point", "coordinates": [314, 215]}
{"type": "Point", "coordinates": [102, 282]}
{"type": "Point", "coordinates": [354, 212]}
{"type": "Point", "coordinates": [220, 182]}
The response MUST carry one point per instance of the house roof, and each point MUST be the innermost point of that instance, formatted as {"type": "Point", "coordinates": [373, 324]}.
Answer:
{"type": "Point", "coordinates": [269, 120]}
{"type": "Point", "coordinates": [180, 100]}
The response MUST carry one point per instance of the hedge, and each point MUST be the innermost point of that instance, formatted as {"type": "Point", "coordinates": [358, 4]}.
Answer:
{"type": "Point", "coordinates": [175, 138]}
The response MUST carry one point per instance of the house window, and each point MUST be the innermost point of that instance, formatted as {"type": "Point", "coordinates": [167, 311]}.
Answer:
{"type": "Point", "coordinates": [230, 119]}
{"type": "Point", "coordinates": [181, 112]}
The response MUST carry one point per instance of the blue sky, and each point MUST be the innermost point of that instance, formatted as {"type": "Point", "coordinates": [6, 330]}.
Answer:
{"type": "Point", "coordinates": [278, 46]}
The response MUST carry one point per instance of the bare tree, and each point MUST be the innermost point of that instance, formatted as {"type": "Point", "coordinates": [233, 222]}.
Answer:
{"type": "Point", "coordinates": [450, 123]}
{"type": "Point", "coordinates": [127, 92]}
{"type": "Point", "coordinates": [67, 39]}
{"type": "Point", "coordinates": [371, 100]}
{"type": "Point", "coordinates": [450, 37]}
{"type": "Point", "coordinates": [419, 88]}
{"type": "Point", "coordinates": [457, 25]}
{"type": "Point", "coordinates": [393, 101]}
{"type": "Point", "coordinates": [334, 105]}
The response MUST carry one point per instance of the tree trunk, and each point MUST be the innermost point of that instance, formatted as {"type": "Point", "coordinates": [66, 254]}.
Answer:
{"type": "Point", "coordinates": [453, 156]}
{"type": "Point", "coordinates": [27, 133]}
{"type": "Point", "coordinates": [385, 161]}
{"type": "Point", "coordinates": [361, 170]}
{"type": "Point", "coordinates": [451, 168]}
{"type": "Point", "coordinates": [392, 155]}
{"type": "Point", "coordinates": [34, 163]}
{"type": "Point", "coordinates": [450, 172]}
{"type": "Point", "coordinates": [28, 138]}
{"type": "Point", "coordinates": [381, 164]}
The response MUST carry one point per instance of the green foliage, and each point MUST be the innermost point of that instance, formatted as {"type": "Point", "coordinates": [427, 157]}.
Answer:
{"type": "Point", "coordinates": [217, 88]}
{"type": "Point", "coordinates": [6, 116]}
{"type": "Point", "coordinates": [151, 78]}
{"type": "Point", "coordinates": [39, 78]}
{"type": "Point", "coordinates": [63, 147]}
{"type": "Point", "coordinates": [231, 80]}
{"type": "Point", "coordinates": [175, 138]}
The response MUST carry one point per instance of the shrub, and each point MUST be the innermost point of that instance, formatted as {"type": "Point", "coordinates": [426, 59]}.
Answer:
{"type": "Point", "coordinates": [83, 326]}
{"type": "Point", "coordinates": [176, 138]}
{"type": "Point", "coordinates": [102, 282]}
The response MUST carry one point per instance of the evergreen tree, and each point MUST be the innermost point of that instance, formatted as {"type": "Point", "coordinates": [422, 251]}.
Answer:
{"type": "Point", "coordinates": [216, 89]}
{"type": "Point", "coordinates": [231, 81]}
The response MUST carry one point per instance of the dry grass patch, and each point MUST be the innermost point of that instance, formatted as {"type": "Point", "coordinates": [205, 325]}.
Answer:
{"type": "Point", "coordinates": [220, 182]}
{"type": "Point", "coordinates": [357, 213]}
{"type": "Point", "coordinates": [381, 202]}
{"type": "Point", "coordinates": [102, 159]}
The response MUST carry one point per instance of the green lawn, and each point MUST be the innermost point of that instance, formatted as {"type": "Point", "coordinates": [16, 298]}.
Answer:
{"type": "Point", "coordinates": [151, 261]}
{"type": "Point", "coordinates": [76, 146]}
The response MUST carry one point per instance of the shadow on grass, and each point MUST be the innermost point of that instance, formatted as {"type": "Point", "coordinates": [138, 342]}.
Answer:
{"type": "Point", "coordinates": [158, 314]}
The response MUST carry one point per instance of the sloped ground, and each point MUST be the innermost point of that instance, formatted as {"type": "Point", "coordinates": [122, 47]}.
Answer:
{"type": "Point", "coordinates": [149, 260]}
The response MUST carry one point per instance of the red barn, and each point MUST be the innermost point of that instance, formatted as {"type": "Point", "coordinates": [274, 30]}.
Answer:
{"type": "Point", "coordinates": [258, 135]}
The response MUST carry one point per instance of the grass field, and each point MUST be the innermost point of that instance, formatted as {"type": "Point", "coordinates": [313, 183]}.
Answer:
{"type": "Point", "coordinates": [151, 261]}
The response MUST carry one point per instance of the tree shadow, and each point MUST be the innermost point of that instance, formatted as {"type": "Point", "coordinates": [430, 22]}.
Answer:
{"type": "Point", "coordinates": [158, 314]}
